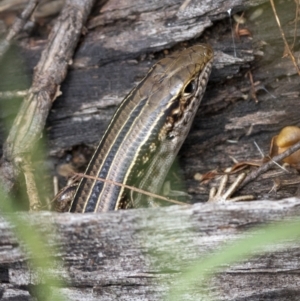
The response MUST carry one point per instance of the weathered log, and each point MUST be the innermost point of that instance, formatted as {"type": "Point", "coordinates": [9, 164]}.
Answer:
{"type": "Point", "coordinates": [137, 254]}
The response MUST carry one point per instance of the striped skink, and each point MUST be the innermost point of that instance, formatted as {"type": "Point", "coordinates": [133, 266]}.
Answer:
{"type": "Point", "coordinates": [146, 133]}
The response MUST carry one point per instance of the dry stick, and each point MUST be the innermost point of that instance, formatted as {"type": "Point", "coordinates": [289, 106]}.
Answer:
{"type": "Point", "coordinates": [13, 94]}
{"type": "Point", "coordinates": [283, 37]}
{"type": "Point", "coordinates": [32, 191]}
{"type": "Point", "coordinates": [48, 75]}
{"type": "Point", "coordinates": [17, 26]}
{"type": "Point", "coordinates": [131, 188]}
{"type": "Point", "coordinates": [253, 175]}
{"type": "Point", "coordinates": [296, 22]}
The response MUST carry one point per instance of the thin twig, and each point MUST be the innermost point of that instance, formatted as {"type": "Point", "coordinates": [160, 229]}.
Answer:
{"type": "Point", "coordinates": [132, 188]}
{"type": "Point", "coordinates": [13, 94]}
{"type": "Point", "coordinates": [252, 89]}
{"type": "Point", "coordinates": [253, 175]}
{"type": "Point", "coordinates": [17, 26]}
{"type": "Point", "coordinates": [283, 37]}
{"type": "Point", "coordinates": [296, 22]}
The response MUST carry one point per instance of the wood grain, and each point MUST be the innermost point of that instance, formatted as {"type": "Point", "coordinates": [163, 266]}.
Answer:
{"type": "Point", "coordinates": [139, 253]}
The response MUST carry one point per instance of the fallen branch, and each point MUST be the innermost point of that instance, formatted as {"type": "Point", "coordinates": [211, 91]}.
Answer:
{"type": "Point", "coordinates": [49, 74]}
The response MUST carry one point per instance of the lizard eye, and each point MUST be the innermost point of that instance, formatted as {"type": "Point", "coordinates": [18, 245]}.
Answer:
{"type": "Point", "coordinates": [190, 88]}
